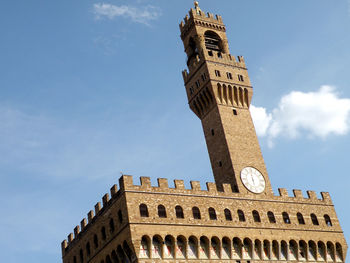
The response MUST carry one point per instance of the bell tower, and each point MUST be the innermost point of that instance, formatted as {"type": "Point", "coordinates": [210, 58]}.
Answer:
{"type": "Point", "coordinates": [219, 92]}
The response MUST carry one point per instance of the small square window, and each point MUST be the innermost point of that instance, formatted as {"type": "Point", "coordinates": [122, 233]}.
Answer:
{"type": "Point", "coordinates": [234, 112]}
{"type": "Point", "coordinates": [210, 53]}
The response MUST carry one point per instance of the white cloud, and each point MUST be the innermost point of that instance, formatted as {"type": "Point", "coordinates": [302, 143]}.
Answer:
{"type": "Point", "coordinates": [312, 114]}
{"type": "Point", "coordinates": [140, 15]}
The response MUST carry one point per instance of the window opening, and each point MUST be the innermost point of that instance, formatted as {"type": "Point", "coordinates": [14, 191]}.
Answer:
{"type": "Point", "coordinates": [144, 210]}
{"type": "Point", "coordinates": [229, 75]}
{"type": "Point", "coordinates": [286, 218]}
{"type": "Point", "coordinates": [179, 212]}
{"type": "Point", "coordinates": [271, 217]}
{"type": "Point", "coordinates": [196, 213]}
{"type": "Point", "coordinates": [300, 219]}
{"type": "Point", "coordinates": [234, 112]}
{"type": "Point", "coordinates": [212, 213]}
{"type": "Point", "coordinates": [217, 73]}
{"type": "Point", "coordinates": [228, 215]}
{"type": "Point", "coordinates": [256, 216]}
{"type": "Point", "coordinates": [314, 219]}
{"type": "Point", "coordinates": [241, 216]}
{"type": "Point", "coordinates": [111, 225]}
{"type": "Point", "coordinates": [103, 233]}
{"type": "Point", "coordinates": [161, 211]}
{"type": "Point", "coordinates": [328, 221]}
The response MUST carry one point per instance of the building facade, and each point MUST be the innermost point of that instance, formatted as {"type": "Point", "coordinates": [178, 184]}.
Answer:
{"type": "Point", "coordinates": [236, 219]}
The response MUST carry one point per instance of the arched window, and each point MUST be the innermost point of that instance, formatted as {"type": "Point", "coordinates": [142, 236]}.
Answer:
{"type": "Point", "coordinates": [179, 212]}
{"type": "Point", "coordinates": [212, 213]}
{"type": "Point", "coordinates": [196, 213]}
{"type": "Point", "coordinates": [241, 216]}
{"type": "Point", "coordinates": [286, 218]}
{"type": "Point", "coordinates": [192, 247]}
{"type": "Point", "coordinates": [256, 216]}
{"type": "Point", "coordinates": [228, 215]}
{"type": "Point", "coordinates": [271, 217]}
{"type": "Point", "coordinates": [95, 241]}
{"type": "Point", "coordinates": [145, 247]}
{"type": "Point", "coordinates": [111, 225]}
{"type": "Point", "coordinates": [120, 216]}
{"type": "Point", "coordinates": [108, 259]}
{"type": "Point", "coordinates": [143, 210]}
{"type": "Point", "coordinates": [327, 219]}
{"type": "Point", "coordinates": [161, 211]}
{"type": "Point", "coordinates": [88, 250]}
{"type": "Point", "coordinates": [300, 219]}
{"type": "Point", "coordinates": [81, 256]}
{"type": "Point", "coordinates": [314, 219]}
{"type": "Point", "coordinates": [114, 257]}
{"type": "Point", "coordinates": [103, 233]}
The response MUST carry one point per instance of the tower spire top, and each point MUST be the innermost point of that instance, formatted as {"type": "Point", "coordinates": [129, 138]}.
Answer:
{"type": "Point", "coordinates": [196, 4]}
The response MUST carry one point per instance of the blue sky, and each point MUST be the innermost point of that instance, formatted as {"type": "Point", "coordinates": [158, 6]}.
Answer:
{"type": "Point", "coordinates": [90, 89]}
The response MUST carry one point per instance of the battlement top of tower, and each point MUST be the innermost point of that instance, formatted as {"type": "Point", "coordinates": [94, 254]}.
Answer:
{"type": "Point", "coordinates": [197, 16]}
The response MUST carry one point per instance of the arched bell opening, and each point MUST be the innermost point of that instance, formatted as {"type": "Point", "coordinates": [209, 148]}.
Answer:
{"type": "Point", "coordinates": [191, 51]}
{"type": "Point", "coordinates": [213, 43]}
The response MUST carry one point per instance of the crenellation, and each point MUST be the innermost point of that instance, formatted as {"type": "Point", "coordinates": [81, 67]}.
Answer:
{"type": "Point", "coordinates": [211, 188]}
{"type": "Point", "coordinates": [114, 190]}
{"type": "Point", "coordinates": [105, 199]}
{"type": "Point", "coordinates": [76, 231]}
{"type": "Point", "coordinates": [283, 192]}
{"type": "Point", "coordinates": [326, 197]}
{"type": "Point", "coordinates": [125, 182]}
{"type": "Point", "coordinates": [227, 188]}
{"type": "Point", "coordinates": [145, 182]}
{"type": "Point", "coordinates": [90, 216]}
{"type": "Point", "coordinates": [312, 195]}
{"type": "Point", "coordinates": [179, 184]}
{"type": "Point", "coordinates": [64, 246]}
{"type": "Point", "coordinates": [298, 194]}
{"type": "Point", "coordinates": [83, 224]}
{"type": "Point", "coordinates": [97, 208]}
{"type": "Point", "coordinates": [195, 185]}
{"type": "Point", "coordinates": [163, 183]}
{"type": "Point", "coordinates": [70, 238]}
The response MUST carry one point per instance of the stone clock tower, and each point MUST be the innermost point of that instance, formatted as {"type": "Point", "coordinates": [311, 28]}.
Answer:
{"type": "Point", "coordinates": [237, 219]}
{"type": "Point", "coordinates": [219, 93]}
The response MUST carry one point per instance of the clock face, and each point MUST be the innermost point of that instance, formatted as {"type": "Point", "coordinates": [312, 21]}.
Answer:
{"type": "Point", "coordinates": [253, 180]}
